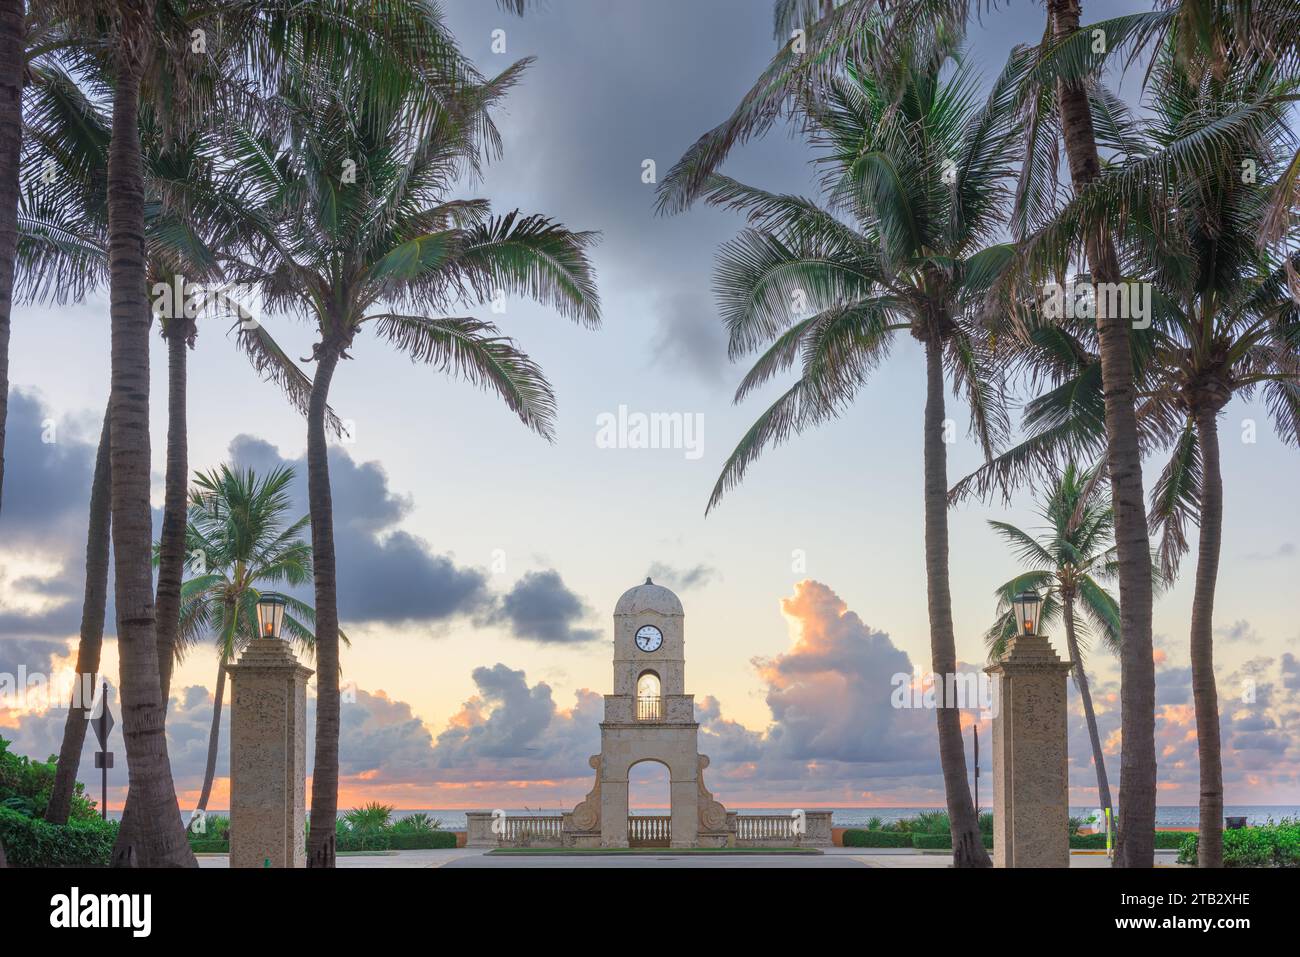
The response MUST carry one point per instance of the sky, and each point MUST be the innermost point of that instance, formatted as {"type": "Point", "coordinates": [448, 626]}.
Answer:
{"type": "Point", "coordinates": [479, 565]}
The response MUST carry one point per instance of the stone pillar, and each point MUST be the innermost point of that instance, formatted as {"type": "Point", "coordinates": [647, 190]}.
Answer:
{"type": "Point", "coordinates": [268, 757]}
{"type": "Point", "coordinates": [1031, 804]}
{"type": "Point", "coordinates": [613, 812]}
{"type": "Point", "coordinates": [685, 811]}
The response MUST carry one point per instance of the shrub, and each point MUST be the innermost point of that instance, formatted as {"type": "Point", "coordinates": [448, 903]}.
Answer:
{"type": "Point", "coordinates": [32, 842]}
{"type": "Point", "coordinates": [422, 840]}
{"type": "Point", "coordinates": [214, 838]}
{"type": "Point", "coordinates": [928, 841]}
{"type": "Point", "coordinates": [876, 838]}
{"type": "Point", "coordinates": [1269, 845]}
{"type": "Point", "coordinates": [875, 823]}
{"type": "Point", "coordinates": [932, 822]}
{"type": "Point", "coordinates": [419, 823]}
{"type": "Point", "coordinates": [1088, 842]}
{"type": "Point", "coordinates": [25, 786]}
{"type": "Point", "coordinates": [372, 816]}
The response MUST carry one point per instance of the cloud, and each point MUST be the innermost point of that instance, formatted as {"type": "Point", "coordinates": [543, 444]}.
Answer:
{"type": "Point", "coordinates": [385, 574]}
{"type": "Point", "coordinates": [1285, 550]}
{"type": "Point", "coordinates": [541, 608]}
{"type": "Point", "coordinates": [682, 579]}
{"type": "Point", "coordinates": [510, 729]}
{"type": "Point", "coordinates": [49, 465]}
{"type": "Point", "coordinates": [689, 338]}
{"type": "Point", "coordinates": [1239, 630]}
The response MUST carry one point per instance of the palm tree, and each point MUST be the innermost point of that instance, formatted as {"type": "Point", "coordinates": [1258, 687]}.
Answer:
{"type": "Point", "coordinates": [1224, 323]}
{"type": "Point", "coordinates": [12, 28]}
{"type": "Point", "coordinates": [1066, 563]}
{"type": "Point", "coordinates": [241, 541]}
{"type": "Point", "coordinates": [1188, 222]}
{"type": "Point", "coordinates": [63, 256]}
{"type": "Point", "coordinates": [357, 232]}
{"type": "Point", "coordinates": [801, 70]}
{"type": "Point", "coordinates": [91, 638]}
{"type": "Point", "coordinates": [921, 166]}
{"type": "Point", "coordinates": [1136, 843]}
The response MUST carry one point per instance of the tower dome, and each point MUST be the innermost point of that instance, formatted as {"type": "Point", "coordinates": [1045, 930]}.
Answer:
{"type": "Point", "coordinates": [648, 597]}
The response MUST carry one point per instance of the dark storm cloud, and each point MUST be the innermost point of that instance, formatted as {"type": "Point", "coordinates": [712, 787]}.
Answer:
{"type": "Point", "coordinates": [33, 654]}
{"type": "Point", "coordinates": [47, 483]}
{"type": "Point", "coordinates": [541, 608]}
{"type": "Point", "coordinates": [681, 579]}
{"type": "Point", "coordinates": [384, 573]}
{"type": "Point", "coordinates": [689, 339]}
{"type": "Point", "coordinates": [49, 464]}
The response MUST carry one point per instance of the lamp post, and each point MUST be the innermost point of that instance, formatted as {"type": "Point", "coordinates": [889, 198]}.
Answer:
{"type": "Point", "coordinates": [1028, 606]}
{"type": "Point", "coordinates": [268, 747]}
{"type": "Point", "coordinates": [1030, 792]}
{"type": "Point", "coordinates": [270, 614]}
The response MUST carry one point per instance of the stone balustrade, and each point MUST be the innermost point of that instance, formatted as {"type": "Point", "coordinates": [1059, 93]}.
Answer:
{"type": "Point", "coordinates": [551, 830]}
{"type": "Point", "coordinates": [777, 830]}
{"type": "Point", "coordinates": [668, 709]}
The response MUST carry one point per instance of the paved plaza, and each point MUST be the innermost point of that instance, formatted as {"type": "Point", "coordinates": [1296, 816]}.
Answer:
{"type": "Point", "coordinates": [832, 857]}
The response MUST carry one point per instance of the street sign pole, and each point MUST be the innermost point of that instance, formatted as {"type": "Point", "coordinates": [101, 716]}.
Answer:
{"type": "Point", "coordinates": [103, 726]}
{"type": "Point", "coordinates": [103, 746]}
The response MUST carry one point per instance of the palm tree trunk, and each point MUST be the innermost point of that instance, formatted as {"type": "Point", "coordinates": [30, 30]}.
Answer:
{"type": "Point", "coordinates": [967, 845]}
{"type": "Point", "coordinates": [171, 542]}
{"type": "Point", "coordinates": [325, 768]}
{"type": "Point", "coordinates": [214, 738]}
{"type": "Point", "coordinates": [92, 634]}
{"type": "Point", "coordinates": [1137, 795]}
{"type": "Point", "coordinates": [158, 839]}
{"type": "Point", "coordinates": [1205, 694]}
{"type": "Point", "coordinates": [1081, 680]}
{"type": "Point", "coordinates": [11, 135]}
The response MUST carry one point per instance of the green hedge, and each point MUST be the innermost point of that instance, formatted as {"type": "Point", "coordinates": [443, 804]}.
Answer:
{"type": "Point", "coordinates": [860, 838]}
{"type": "Point", "coordinates": [393, 839]}
{"type": "Point", "coordinates": [1270, 845]}
{"type": "Point", "coordinates": [32, 842]}
{"type": "Point", "coordinates": [941, 842]}
{"type": "Point", "coordinates": [423, 840]}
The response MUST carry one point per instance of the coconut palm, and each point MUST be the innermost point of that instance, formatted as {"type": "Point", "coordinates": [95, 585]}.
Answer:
{"type": "Point", "coordinates": [63, 257]}
{"type": "Point", "coordinates": [1187, 218]}
{"type": "Point", "coordinates": [921, 166]}
{"type": "Point", "coordinates": [801, 71]}
{"type": "Point", "coordinates": [1224, 323]}
{"type": "Point", "coordinates": [358, 233]}
{"type": "Point", "coordinates": [1066, 562]}
{"type": "Point", "coordinates": [240, 541]}
{"type": "Point", "coordinates": [12, 29]}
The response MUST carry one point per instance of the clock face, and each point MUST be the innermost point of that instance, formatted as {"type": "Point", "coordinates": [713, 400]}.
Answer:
{"type": "Point", "coordinates": [649, 638]}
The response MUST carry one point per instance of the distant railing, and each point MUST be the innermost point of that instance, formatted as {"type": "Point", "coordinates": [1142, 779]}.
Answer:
{"type": "Point", "coordinates": [764, 827]}
{"type": "Point", "coordinates": [650, 708]}
{"type": "Point", "coordinates": [652, 830]}
{"type": "Point", "coordinates": [525, 829]}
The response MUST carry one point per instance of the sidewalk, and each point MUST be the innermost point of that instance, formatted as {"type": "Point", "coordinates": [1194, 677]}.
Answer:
{"type": "Point", "coordinates": [835, 857]}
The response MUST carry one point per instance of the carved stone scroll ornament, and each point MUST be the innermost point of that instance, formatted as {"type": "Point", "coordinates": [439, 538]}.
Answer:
{"type": "Point", "coordinates": [586, 816]}
{"type": "Point", "coordinates": [713, 816]}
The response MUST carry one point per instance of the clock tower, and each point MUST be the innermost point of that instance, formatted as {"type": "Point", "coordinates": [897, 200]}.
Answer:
{"type": "Point", "coordinates": [649, 717]}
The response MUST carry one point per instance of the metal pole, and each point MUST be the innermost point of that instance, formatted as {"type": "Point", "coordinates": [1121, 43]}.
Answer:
{"type": "Point", "coordinates": [103, 736]}
{"type": "Point", "coordinates": [976, 729]}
